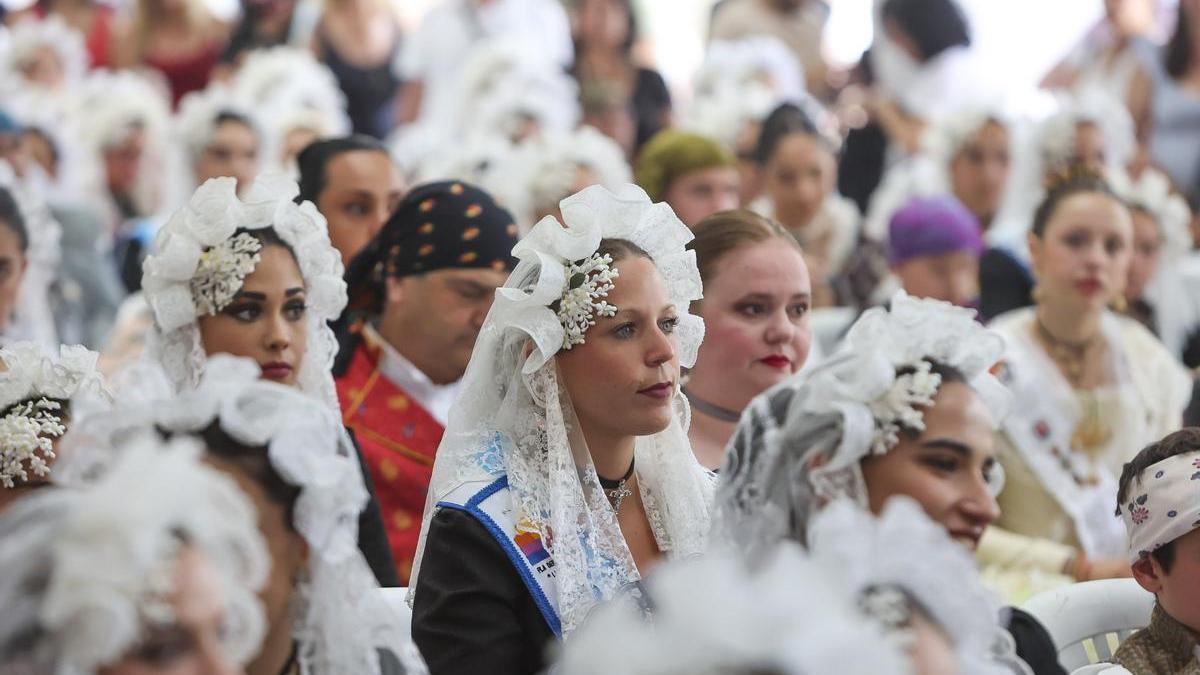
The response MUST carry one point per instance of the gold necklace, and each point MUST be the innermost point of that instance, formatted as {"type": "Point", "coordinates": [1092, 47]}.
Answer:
{"type": "Point", "coordinates": [1069, 356]}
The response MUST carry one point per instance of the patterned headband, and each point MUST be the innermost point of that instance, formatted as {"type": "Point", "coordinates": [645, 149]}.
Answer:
{"type": "Point", "coordinates": [1165, 505]}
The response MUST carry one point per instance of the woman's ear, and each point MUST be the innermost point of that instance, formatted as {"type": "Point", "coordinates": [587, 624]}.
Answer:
{"type": "Point", "coordinates": [1149, 574]}
{"type": "Point", "coordinates": [396, 290]}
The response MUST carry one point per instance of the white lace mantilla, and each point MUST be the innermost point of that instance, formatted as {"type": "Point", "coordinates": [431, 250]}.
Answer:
{"type": "Point", "coordinates": [210, 218]}
{"type": "Point", "coordinates": [801, 443]}
{"type": "Point", "coordinates": [339, 619]}
{"type": "Point", "coordinates": [91, 570]}
{"type": "Point", "coordinates": [513, 417]}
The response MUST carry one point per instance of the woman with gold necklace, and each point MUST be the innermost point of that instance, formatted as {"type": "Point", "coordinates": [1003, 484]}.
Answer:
{"type": "Point", "coordinates": [1091, 389]}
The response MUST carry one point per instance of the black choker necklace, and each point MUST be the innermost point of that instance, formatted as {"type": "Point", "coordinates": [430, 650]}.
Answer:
{"type": "Point", "coordinates": [711, 409]}
{"type": "Point", "coordinates": [615, 490]}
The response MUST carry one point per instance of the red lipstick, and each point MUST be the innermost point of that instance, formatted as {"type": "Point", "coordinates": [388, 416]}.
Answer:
{"type": "Point", "coordinates": [277, 371]}
{"type": "Point", "coordinates": [777, 361]}
{"type": "Point", "coordinates": [662, 390]}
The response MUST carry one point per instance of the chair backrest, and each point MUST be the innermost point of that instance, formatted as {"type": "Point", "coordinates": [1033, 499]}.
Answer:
{"type": "Point", "coordinates": [397, 599]}
{"type": "Point", "coordinates": [1089, 620]}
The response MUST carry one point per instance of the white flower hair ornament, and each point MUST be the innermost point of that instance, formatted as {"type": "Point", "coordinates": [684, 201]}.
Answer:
{"type": "Point", "coordinates": [561, 281]}
{"type": "Point", "coordinates": [206, 250]}
{"type": "Point", "coordinates": [1151, 192]}
{"type": "Point", "coordinates": [89, 572]}
{"type": "Point", "coordinates": [33, 390]}
{"type": "Point", "coordinates": [338, 619]}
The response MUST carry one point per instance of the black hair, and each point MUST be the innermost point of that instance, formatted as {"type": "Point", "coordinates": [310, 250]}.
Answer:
{"type": "Point", "coordinates": [313, 161]}
{"type": "Point", "coordinates": [620, 249]}
{"type": "Point", "coordinates": [631, 29]}
{"type": "Point", "coordinates": [947, 372]}
{"type": "Point", "coordinates": [785, 120]}
{"type": "Point", "coordinates": [934, 25]}
{"type": "Point", "coordinates": [1076, 180]}
{"type": "Point", "coordinates": [1177, 58]}
{"type": "Point", "coordinates": [10, 217]}
{"type": "Point", "coordinates": [255, 462]}
{"type": "Point", "coordinates": [39, 132]}
{"type": "Point", "coordinates": [1178, 443]}
{"type": "Point", "coordinates": [235, 117]}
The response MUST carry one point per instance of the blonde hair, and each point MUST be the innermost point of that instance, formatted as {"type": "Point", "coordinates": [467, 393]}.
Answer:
{"type": "Point", "coordinates": [727, 231]}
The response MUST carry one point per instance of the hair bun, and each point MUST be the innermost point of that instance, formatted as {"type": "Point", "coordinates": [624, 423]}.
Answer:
{"type": "Point", "coordinates": [1073, 175]}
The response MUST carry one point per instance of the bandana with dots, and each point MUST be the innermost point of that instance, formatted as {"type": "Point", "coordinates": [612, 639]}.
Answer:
{"type": "Point", "coordinates": [443, 225]}
{"type": "Point", "coordinates": [1163, 504]}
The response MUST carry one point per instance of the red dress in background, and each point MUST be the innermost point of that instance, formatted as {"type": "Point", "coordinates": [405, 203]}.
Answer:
{"type": "Point", "coordinates": [189, 73]}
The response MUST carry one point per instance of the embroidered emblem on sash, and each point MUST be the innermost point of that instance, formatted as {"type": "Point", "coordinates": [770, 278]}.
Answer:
{"type": "Point", "coordinates": [531, 545]}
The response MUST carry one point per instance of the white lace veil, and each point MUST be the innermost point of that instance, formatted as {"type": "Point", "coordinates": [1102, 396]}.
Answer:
{"type": "Point", "coordinates": [512, 415]}
{"type": "Point", "coordinates": [86, 571]}
{"type": "Point", "coordinates": [211, 217]}
{"type": "Point", "coordinates": [801, 442]}
{"type": "Point", "coordinates": [903, 549]}
{"type": "Point", "coordinates": [339, 618]}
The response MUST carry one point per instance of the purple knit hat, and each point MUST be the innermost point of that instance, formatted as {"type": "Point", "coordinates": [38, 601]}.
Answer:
{"type": "Point", "coordinates": [931, 226]}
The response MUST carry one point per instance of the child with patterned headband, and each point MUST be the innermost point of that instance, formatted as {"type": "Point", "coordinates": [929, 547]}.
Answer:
{"type": "Point", "coordinates": [1157, 500]}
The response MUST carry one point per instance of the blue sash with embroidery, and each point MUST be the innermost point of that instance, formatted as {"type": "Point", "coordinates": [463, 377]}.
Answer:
{"type": "Point", "coordinates": [491, 504]}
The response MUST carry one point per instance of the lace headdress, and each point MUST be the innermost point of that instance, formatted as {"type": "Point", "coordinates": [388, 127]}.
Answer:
{"type": "Point", "coordinates": [1151, 192]}
{"type": "Point", "coordinates": [902, 559]}
{"type": "Point", "coordinates": [339, 620]}
{"type": "Point", "coordinates": [512, 416]}
{"type": "Point", "coordinates": [201, 262]}
{"type": "Point", "coordinates": [801, 442]}
{"type": "Point", "coordinates": [33, 316]}
{"type": "Point", "coordinates": [35, 389]}
{"type": "Point", "coordinates": [27, 37]}
{"type": "Point", "coordinates": [714, 616]}
{"type": "Point", "coordinates": [88, 572]}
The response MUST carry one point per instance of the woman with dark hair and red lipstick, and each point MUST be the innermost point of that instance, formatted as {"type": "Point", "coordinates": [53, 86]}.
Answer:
{"type": "Point", "coordinates": [1091, 388]}
{"type": "Point", "coordinates": [757, 295]}
{"type": "Point", "coordinates": [255, 277]}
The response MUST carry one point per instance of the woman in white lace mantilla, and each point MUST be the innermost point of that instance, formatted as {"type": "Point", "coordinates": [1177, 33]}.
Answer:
{"type": "Point", "coordinates": [565, 472]}
{"type": "Point", "coordinates": [256, 277]}
{"type": "Point", "coordinates": [905, 407]}
{"type": "Point", "coordinates": [37, 392]}
{"type": "Point", "coordinates": [324, 612]}
{"type": "Point", "coordinates": [153, 569]}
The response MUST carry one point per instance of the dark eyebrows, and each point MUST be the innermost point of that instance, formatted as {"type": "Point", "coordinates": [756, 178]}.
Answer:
{"type": "Point", "coordinates": [952, 445]}
{"type": "Point", "coordinates": [293, 291]}
{"type": "Point", "coordinates": [251, 295]}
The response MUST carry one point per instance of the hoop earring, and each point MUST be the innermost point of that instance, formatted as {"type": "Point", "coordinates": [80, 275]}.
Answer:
{"type": "Point", "coordinates": [1119, 304]}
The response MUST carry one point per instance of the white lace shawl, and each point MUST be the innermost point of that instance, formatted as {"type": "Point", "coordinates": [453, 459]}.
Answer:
{"type": "Point", "coordinates": [339, 619]}
{"type": "Point", "coordinates": [716, 615]}
{"type": "Point", "coordinates": [512, 415]}
{"type": "Point", "coordinates": [902, 548]}
{"type": "Point", "coordinates": [211, 216]}
{"type": "Point", "coordinates": [801, 442]}
{"type": "Point", "coordinates": [88, 569]}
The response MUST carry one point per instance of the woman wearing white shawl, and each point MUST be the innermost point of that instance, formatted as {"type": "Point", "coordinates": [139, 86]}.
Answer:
{"type": "Point", "coordinates": [538, 510]}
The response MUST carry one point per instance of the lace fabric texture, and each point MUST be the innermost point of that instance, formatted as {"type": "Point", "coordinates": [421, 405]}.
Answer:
{"type": "Point", "coordinates": [338, 617]}
{"type": "Point", "coordinates": [212, 216]}
{"type": "Point", "coordinates": [800, 443]}
{"type": "Point", "coordinates": [90, 569]}
{"type": "Point", "coordinates": [902, 548]}
{"type": "Point", "coordinates": [513, 415]}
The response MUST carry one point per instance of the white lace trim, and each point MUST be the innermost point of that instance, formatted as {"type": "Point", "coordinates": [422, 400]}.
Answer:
{"type": "Point", "coordinates": [339, 618]}
{"type": "Point", "coordinates": [106, 554]}
{"type": "Point", "coordinates": [210, 219]}
{"type": "Point", "coordinates": [513, 416]}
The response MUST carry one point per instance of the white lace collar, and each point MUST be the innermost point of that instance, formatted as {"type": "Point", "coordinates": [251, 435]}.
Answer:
{"type": "Point", "coordinates": [435, 398]}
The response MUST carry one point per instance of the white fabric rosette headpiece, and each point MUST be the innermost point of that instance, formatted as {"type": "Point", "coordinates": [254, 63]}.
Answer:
{"type": "Point", "coordinates": [715, 616]}
{"type": "Point", "coordinates": [196, 121]}
{"type": "Point", "coordinates": [338, 617]}
{"type": "Point", "coordinates": [27, 38]}
{"type": "Point", "coordinates": [35, 390]}
{"type": "Point", "coordinates": [512, 416]}
{"type": "Point", "coordinates": [1151, 192]}
{"type": "Point", "coordinates": [903, 558]}
{"type": "Point", "coordinates": [801, 442]}
{"type": "Point", "coordinates": [88, 572]}
{"type": "Point", "coordinates": [542, 171]}
{"type": "Point", "coordinates": [201, 261]}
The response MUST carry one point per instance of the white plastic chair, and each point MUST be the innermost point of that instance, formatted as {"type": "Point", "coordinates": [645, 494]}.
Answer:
{"type": "Point", "coordinates": [1089, 620]}
{"type": "Point", "coordinates": [395, 598]}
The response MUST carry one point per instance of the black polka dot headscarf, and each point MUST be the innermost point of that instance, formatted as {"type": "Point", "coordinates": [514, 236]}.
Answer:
{"type": "Point", "coordinates": [443, 225]}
